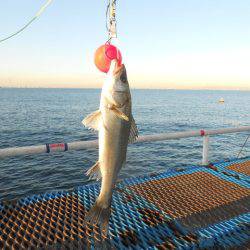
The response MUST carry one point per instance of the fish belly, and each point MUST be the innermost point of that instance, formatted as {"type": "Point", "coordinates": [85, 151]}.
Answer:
{"type": "Point", "coordinates": [113, 141]}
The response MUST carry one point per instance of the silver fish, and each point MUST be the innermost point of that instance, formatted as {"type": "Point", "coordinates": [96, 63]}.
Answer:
{"type": "Point", "coordinates": [117, 128]}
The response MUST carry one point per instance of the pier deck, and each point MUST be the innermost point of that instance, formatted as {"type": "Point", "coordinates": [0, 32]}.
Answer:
{"type": "Point", "coordinates": [187, 208]}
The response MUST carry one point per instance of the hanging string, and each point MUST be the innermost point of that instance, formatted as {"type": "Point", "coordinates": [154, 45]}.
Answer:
{"type": "Point", "coordinates": [243, 146]}
{"type": "Point", "coordinates": [41, 10]}
{"type": "Point", "coordinates": [107, 19]}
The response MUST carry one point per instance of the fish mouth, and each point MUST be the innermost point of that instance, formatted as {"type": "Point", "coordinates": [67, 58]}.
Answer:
{"type": "Point", "coordinates": [118, 69]}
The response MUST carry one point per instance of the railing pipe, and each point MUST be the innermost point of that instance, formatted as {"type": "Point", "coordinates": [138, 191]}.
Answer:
{"type": "Point", "coordinates": [79, 145]}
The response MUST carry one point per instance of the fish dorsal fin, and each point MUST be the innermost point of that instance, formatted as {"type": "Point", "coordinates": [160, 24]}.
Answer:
{"type": "Point", "coordinates": [93, 120]}
{"type": "Point", "coordinates": [133, 131]}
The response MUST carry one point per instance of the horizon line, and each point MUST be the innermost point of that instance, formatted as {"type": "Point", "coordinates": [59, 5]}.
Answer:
{"type": "Point", "coordinates": [196, 89]}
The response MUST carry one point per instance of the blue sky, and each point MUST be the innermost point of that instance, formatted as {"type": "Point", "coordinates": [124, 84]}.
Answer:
{"type": "Point", "coordinates": [165, 44]}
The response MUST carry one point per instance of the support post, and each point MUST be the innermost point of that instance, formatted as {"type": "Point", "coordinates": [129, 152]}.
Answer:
{"type": "Point", "coordinates": [205, 153]}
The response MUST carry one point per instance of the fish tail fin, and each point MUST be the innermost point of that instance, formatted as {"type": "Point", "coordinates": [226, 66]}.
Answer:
{"type": "Point", "coordinates": [99, 215]}
{"type": "Point", "coordinates": [94, 172]}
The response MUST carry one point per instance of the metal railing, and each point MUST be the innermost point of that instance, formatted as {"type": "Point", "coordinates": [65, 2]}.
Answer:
{"type": "Point", "coordinates": [81, 145]}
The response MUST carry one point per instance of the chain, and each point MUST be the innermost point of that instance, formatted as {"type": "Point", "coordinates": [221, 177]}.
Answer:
{"type": "Point", "coordinates": [111, 19]}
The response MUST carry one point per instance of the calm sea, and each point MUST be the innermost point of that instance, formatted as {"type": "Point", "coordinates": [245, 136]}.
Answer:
{"type": "Point", "coordinates": [39, 116]}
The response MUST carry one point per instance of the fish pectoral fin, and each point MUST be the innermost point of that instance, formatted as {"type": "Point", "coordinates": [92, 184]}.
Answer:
{"type": "Point", "coordinates": [94, 172]}
{"type": "Point", "coordinates": [93, 120]}
{"type": "Point", "coordinates": [133, 131]}
{"type": "Point", "coordinates": [118, 113]}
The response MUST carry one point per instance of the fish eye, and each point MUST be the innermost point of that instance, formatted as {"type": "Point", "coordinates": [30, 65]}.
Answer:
{"type": "Point", "coordinates": [123, 77]}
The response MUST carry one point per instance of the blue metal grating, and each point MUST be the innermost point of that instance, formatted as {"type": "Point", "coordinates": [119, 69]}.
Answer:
{"type": "Point", "coordinates": [238, 168]}
{"type": "Point", "coordinates": [195, 208]}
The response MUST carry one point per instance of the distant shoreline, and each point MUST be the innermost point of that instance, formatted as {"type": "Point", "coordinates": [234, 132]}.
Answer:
{"type": "Point", "coordinates": [241, 90]}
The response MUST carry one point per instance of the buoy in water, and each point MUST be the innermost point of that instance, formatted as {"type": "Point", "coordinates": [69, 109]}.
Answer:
{"type": "Point", "coordinates": [221, 100]}
{"type": "Point", "coordinates": [105, 54]}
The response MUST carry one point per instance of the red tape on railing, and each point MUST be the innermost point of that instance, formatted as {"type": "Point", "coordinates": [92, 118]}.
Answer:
{"type": "Point", "coordinates": [202, 132]}
{"type": "Point", "coordinates": [55, 146]}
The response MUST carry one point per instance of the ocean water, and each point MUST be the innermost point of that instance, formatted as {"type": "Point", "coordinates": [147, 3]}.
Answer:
{"type": "Point", "coordinates": [40, 116]}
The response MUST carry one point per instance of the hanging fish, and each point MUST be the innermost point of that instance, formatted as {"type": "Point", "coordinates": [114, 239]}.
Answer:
{"type": "Point", "coordinates": [117, 128]}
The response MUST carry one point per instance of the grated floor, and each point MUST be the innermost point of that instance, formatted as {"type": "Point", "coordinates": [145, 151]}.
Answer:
{"type": "Point", "coordinates": [242, 167]}
{"type": "Point", "coordinates": [197, 208]}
